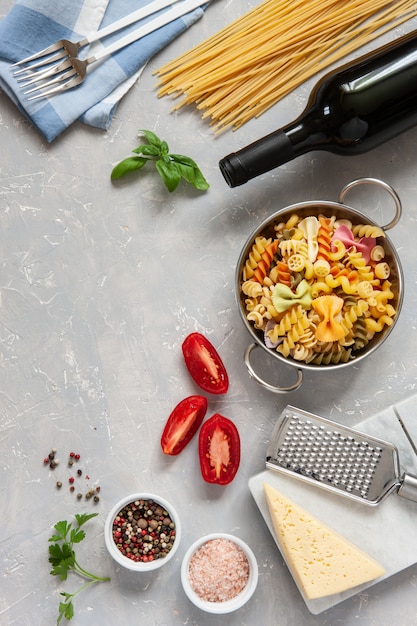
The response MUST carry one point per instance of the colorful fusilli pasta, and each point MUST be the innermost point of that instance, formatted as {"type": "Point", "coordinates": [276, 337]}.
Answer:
{"type": "Point", "coordinates": [320, 288]}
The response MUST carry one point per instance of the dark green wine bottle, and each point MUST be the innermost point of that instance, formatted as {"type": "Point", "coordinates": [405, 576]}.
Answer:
{"type": "Point", "coordinates": [350, 111]}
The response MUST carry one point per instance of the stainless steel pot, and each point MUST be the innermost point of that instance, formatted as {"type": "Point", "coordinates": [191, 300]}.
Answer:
{"type": "Point", "coordinates": [341, 211]}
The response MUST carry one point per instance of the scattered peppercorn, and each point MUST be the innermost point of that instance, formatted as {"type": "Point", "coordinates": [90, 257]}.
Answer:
{"type": "Point", "coordinates": [53, 462]}
{"type": "Point", "coordinates": [144, 531]}
{"type": "Point", "coordinates": [50, 459]}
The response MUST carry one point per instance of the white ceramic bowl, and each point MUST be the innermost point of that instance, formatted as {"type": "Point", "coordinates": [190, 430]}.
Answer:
{"type": "Point", "coordinates": [118, 556]}
{"type": "Point", "coordinates": [226, 606]}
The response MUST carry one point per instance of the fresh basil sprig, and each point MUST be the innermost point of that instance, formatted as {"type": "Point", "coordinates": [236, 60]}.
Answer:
{"type": "Point", "coordinates": [171, 167]}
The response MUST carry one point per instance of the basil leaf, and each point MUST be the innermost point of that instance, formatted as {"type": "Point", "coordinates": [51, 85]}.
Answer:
{"type": "Point", "coordinates": [199, 181]}
{"type": "Point", "coordinates": [151, 138]}
{"type": "Point", "coordinates": [181, 158]}
{"type": "Point", "coordinates": [186, 172]}
{"type": "Point", "coordinates": [169, 173]}
{"type": "Point", "coordinates": [148, 150]}
{"type": "Point", "coordinates": [164, 148]}
{"type": "Point", "coordinates": [190, 171]}
{"type": "Point", "coordinates": [127, 165]}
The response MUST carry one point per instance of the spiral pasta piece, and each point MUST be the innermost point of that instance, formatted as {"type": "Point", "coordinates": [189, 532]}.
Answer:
{"type": "Point", "coordinates": [325, 358]}
{"type": "Point", "coordinates": [356, 260]}
{"type": "Point", "coordinates": [361, 335]}
{"type": "Point", "coordinates": [291, 326]}
{"type": "Point", "coordinates": [324, 238]}
{"type": "Point", "coordinates": [367, 230]}
{"type": "Point", "coordinates": [352, 314]}
{"type": "Point", "coordinates": [255, 255]}
{"type": "Point", "coordinates": [283, 273]}
{"type": "Point", "coordinates": [302, 353]}
{"type": "Point", "coordinates": [252, 289]}
{"type": "Point", "coordinates": [265, 261]}
{"type": "Point", "coordinates": [308, 338]}
{"type": "Point", "coordinates": [288, 247]}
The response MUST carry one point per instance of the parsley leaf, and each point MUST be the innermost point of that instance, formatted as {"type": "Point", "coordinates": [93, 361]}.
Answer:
{"type": "Point", "coordinates": [171, 167]}
{"type": "Point", "coordinates": [63, 560]}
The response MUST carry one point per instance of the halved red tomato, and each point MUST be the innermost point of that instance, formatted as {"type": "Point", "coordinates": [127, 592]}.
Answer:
{"type": "Point", "coordinates": [183, 424]}
{"type": "Point", "coordinates": [219, 450]}
{"type": "Point", "coordinates": [204, 364]}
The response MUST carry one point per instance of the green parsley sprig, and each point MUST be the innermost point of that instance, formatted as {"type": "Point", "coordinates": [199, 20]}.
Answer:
{"type": "Point", "coordinates": [171, 167]}
{"type": "Point", "coordinates": [63, 560]}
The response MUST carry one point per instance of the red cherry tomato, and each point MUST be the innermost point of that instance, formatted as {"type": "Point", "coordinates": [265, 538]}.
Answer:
{"type": "Point", "coordinates": [219, 450]}
{"type": "Point", "coordinates": [183, 424]}
{"type": "Point", "coordinates": [204, 364]}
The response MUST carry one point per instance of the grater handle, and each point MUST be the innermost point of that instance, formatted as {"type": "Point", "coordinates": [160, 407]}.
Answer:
{"type": "Point", "coordinates": [408, 487]}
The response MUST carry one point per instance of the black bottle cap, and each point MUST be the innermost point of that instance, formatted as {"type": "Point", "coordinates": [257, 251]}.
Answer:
{"type": "Point", "coordinates": [257, 158]}
{"type": "Point", "coordinates": [233, 171]}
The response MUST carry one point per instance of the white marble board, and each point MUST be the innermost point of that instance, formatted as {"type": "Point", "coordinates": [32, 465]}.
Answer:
{"type": "Point", "coordinates": [387, 531]}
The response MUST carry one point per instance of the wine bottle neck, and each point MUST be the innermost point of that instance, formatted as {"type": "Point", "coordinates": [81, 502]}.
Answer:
{"type": "Point", "coordinates": [274, 150]}
{"type": "Point", "coordinates": [307, 132]}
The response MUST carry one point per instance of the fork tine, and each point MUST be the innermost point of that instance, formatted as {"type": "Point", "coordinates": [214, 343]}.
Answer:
{"type": "Point", "coordinates": [73, 82]}
{"type": "Point", "coordinates": [48, 72]}
{"type": "Point", "coordinates": [58, 79]}
{"type": "Point", "coordinates": [64, 48]}
{"type": "Point", "coordinates": [48, 50]}
{"type": "Point", "coordinates": [44, 61]}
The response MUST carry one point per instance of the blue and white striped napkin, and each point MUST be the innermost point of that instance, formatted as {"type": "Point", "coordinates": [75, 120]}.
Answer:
{"type": "Point", "coordinates": [31, 25]}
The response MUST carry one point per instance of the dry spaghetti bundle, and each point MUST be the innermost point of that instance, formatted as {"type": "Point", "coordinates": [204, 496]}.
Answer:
{"type": "Point", "coordinates": [245, 68]}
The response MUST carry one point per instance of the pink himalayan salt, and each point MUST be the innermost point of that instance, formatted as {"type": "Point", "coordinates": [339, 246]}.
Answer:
{"type": "Point", "coordinates": [218, 570]}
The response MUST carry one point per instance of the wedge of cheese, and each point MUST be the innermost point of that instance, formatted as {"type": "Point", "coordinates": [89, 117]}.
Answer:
{"type": "Point", "coordinates": [321, 561]}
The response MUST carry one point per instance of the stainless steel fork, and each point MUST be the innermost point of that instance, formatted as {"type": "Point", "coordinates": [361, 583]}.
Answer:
{"type": "Point", "coordinates": [72, 72]}
{"type": "Point", "coordinates": [65, 48]}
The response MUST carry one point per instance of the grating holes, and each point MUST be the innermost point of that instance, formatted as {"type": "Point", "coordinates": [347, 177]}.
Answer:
{"type": "Point", "coordinates": [328, 456]}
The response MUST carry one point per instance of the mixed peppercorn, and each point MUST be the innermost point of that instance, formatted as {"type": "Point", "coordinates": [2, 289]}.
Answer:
{"type": "Point", "coordinates": [144, 531]}
{"type": "Point", "coordinates": [53, 463]}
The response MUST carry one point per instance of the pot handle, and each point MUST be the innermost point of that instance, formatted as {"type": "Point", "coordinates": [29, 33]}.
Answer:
{"type": "Point", "coordinates": [262, 382]}
{"type": "Point", "coordinates": [379, 183]}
